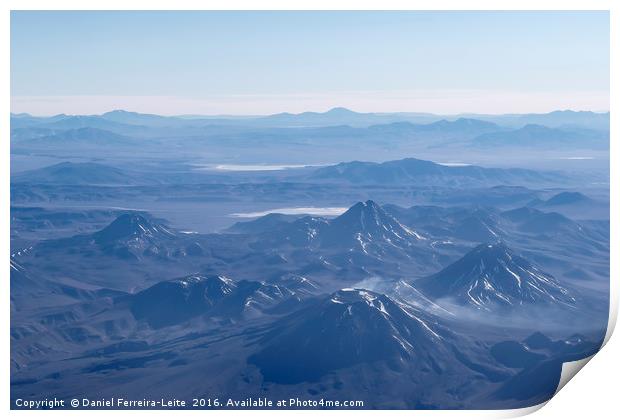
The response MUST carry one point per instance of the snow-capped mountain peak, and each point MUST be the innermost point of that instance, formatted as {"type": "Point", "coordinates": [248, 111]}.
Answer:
{"type": "Point", "coordinates": [366, 223]}
{"type": "Point", "coordinates": [131, 225]}
{"type": "Point", "coordinates": [493, 275]}
{"type": "Point", "coordinates": [352, 297]}
{"type": "Point", "coordinates": [348, 327]}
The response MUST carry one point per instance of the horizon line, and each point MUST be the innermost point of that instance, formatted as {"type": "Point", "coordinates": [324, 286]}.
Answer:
{"type": "Point", "coordinates": [334, 108]}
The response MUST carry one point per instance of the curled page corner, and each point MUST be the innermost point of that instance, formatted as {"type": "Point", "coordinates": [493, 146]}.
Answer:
{"type": "Point", "coordinates": [613, 315]}
{"type": "Point", "coordinates": [569, 370]}
{"type": "Point", "coordinates": [520, 412]}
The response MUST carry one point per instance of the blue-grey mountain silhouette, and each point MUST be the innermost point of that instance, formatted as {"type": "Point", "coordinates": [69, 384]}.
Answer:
{"type": "Point", "coordinates": [492, 275]}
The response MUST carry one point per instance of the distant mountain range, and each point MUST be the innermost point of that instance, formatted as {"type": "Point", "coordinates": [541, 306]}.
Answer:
{"type": "Point", "coordinates": [567, 198]}
{"type": "Point", "coordinates": [334, 116]}
{"type": "Point", "coordinates": [573, 204]}
{"type": "Point", "coordinates": [337, 116]}
{"type": "Point", "coordinates": [340, 134]}
{"type": "Point", "coordinates": [566, 118]}
{"type": "Point", "coordinates": [89, 121]}
{"type": "Point", "coordinates": [400, 172]}
{"type": "Point", "coordinates": [416, 171]}
{"type": "Point", "coordinates": [134, 118]}
{"type": "Point", "coordinates": [263, 224]}
{"type": "Point", "coordinates": [538, 136]}
{"type": "Point", "coordinates": [77, 173]}
{"type": "Point", "coordinates": [76, 137]}
{"type": "Point", "coordinates": [532, 220]}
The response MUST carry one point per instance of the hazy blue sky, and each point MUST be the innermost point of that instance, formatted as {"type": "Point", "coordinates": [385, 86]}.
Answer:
{"type": "Point", "coordinates": [265, 62]}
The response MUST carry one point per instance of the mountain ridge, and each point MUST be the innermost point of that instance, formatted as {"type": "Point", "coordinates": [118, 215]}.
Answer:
{"type": "Point", "coordinates": [411, 170]}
